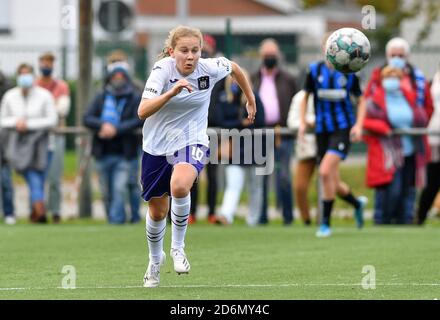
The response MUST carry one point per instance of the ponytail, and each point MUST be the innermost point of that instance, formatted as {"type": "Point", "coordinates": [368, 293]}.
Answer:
{"type": "Point", "coordinates": [177, 33]}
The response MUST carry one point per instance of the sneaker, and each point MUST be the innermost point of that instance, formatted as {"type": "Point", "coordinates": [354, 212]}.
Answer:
{"type": "Point", "coordinates": [152, 275]}
{"type": "Point", "coordinates": [359, 213]}
{"type": "Point", "coordinates": [181, 263]}
{"type": "Point", "coordinates": [324, 231]}
{"type": "Point", "coordinates": [10, 220]}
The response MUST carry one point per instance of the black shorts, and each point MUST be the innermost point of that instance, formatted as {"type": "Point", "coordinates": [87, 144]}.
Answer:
{"type": "Point", "coordinates": [337, 142]}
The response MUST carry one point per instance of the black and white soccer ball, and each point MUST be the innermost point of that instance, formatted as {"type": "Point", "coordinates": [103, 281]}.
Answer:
{"type": "Point", "coordinates": [347, 50]}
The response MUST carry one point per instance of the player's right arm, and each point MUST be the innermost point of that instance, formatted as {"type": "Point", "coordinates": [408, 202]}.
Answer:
{"type": "Point", "coordinates": [154, 97]}
{"type": "Point", "coordinates": [148, 107]}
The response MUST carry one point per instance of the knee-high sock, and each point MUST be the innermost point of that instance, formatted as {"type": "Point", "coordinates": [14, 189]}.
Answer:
{"type": "Point", "coordinates": [155, 234]}
{"type": "Point", "coordinates": [327, 206]}
{"type": "Point", "coordinates": [349, 198]}
{"type": "Point", "coordinates": [179, 218]}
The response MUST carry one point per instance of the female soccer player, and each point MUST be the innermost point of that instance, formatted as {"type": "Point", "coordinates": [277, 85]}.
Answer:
{"type": "Point", "coordinates": [335, 127]}
{"type": "Point", "coordinates": [175, 144]}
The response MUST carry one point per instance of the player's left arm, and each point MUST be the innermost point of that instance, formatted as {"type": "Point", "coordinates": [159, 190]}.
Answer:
{"type": "Point", "coordinates": [245, 86]}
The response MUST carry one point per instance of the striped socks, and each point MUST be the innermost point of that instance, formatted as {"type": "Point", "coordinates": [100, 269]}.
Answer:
{"type": "Point", "coordinates": [155, 234]}
{"type": "Point", "coordinates": [180, 208]}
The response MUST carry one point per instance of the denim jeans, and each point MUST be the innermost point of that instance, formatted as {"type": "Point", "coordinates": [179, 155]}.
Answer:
{"type": "Point", "coordinates": [283, 177]}
{"type": "Point", "coordinates": [7, 189]}
{"type": "Point", "coordinates": [35, 182]}
{"type": "Point", "coordinates": [134, 190]}
{"type": "Point", "coordinates": [113, 171]}
{"type": "Point", "coordinates": [394, 202]}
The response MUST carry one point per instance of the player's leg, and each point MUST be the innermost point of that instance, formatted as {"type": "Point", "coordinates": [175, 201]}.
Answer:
{"type": "Point", "coordinates": [327, 173]}
{"type": "Point", "coordinates": [343, 191]}
{"type": "Point", "coordinates": [155, 227]}
{"type": "Point", "coordinates": [182, 179]}
{"type": "Point", "coordinates": [303, 175]}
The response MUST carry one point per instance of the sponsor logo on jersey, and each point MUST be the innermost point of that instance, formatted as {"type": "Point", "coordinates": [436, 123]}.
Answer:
{"type": "Point", "coordinates": [151, 90]}
{"type": "Point", "coordinates": [332, 94]}
{"type": "Point", "coordinates": [342, 81]}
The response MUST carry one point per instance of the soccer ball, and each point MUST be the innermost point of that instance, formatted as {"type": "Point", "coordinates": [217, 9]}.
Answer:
{"type": "Point", "coordinates": [348, 50]}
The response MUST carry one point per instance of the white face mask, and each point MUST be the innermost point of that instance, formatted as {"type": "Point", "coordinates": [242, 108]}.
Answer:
{"type": "Point", "coordinates": [397, 62]}
{"type": "Point", "coordinates": [25, 81]}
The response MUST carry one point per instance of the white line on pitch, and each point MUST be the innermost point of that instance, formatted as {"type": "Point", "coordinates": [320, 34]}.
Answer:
{"type": "Point", "coordinates": [239, 286]}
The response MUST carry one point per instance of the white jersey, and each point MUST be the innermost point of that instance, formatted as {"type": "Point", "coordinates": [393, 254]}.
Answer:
{"type": "Point", "coordinates": [183, 120]}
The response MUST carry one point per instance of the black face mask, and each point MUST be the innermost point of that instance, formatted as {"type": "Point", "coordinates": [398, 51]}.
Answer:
{"type": "Point", "coordinates": [270, 62]}
{"type": "Point", "coordinates": [46, 71]}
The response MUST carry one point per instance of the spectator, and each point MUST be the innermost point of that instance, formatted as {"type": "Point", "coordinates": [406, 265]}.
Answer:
{"type": "Point", "coordinates": [231, 114]}
{"type": "Point", "coordinates": [276, 88]}
{"type": "Point", "coordinates": [7, 188]}
{"type": "Point", "coordinates": [305, 153]}
{"type": "Point", "coordinates": [57, 143]}
{"type": "Point", "coordinates": [112, 116]}
{"type": "Point", "coordinates": [395, 163]}
{"type": "Point", "coordinates": [209, 51]}
{"type": "Point", "coordinates": [433, 171]}
{"type": "Point", "coordinates": [118, 58]}
{"type": "Point", "coordinates": [397, 55]}
{"type": "Point", "coordinates": [28, 113]}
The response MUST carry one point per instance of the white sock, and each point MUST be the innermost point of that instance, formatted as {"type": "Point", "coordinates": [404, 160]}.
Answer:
{"type": "Point", "coordinates": [179, 217]}
{"type": "Point", "coordinates": [155, 234]}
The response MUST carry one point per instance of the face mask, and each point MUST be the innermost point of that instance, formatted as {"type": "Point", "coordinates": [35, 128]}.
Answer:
{"type": "Point", "coordinates": [270, 62]}
{"type": "Point", "coordinates": [25, 80]}
{"type": "Point", "coordinates": [118, 84]}
{"type": "Point", "coordinates": [46, 71]}
{"type": "Point", "coordinates": [397, 62]}
{"type": "Point", "coordinates": [391, 84]}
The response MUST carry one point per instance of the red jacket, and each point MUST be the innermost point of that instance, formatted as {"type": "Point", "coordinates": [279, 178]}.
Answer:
{"type": "Point", "coordinates": [380, 163]}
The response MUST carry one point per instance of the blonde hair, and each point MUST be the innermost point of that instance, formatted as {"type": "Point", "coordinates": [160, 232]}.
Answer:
{"type": "Point", "coordinates": [177, 33]}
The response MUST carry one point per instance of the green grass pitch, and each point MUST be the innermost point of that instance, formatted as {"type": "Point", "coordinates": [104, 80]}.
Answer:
{"type": "Point", "coordinates": [236, 262]}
